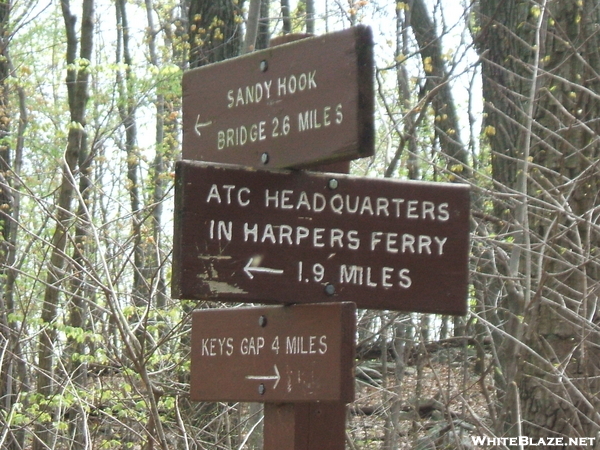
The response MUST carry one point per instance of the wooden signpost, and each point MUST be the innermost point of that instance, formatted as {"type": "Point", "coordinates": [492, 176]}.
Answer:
{"type": "Point", "coordinates": [321, 243]}
{"type": "Point", "coordinates": [316, 237]}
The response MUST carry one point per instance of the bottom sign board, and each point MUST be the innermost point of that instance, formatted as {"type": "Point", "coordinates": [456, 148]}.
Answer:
{"type": "Point", "coordinates": [295, 353]}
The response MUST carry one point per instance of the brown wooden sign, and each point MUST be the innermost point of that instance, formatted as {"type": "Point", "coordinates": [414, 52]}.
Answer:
{"type": "Point", "coordinates": [263, 236]}
{"type": "Point", "coordinates": [276, 353]}
{"type": "Point", "coordinates": [295, 105]}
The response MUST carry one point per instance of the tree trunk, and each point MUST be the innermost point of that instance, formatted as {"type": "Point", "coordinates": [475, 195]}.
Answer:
{"type": "Point", "coordinates": [285, 17]}
{"type": "Point", "coordinates": [77, 89]}
{"type": "Point", "coordinates": [14, 378]}
{"type": "Point", "coordinates": [310, 17]}
{"type": "Point", "coordinates": [252, 26]}
{"type": "Point", "coordinates": [540, 79]}
{"type": "Point", "coordinates": [214, 30]}
{"type": "Point", "coordinates": [446, 118]}
{"type": "Point", "coordinates": [264, 31]}
{"type": "Point", "coordinates": [563, 326]}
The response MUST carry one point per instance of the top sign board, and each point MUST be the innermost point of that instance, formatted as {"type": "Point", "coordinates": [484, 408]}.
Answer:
{"type": "Point", "coordinates": [265, 236]}
{"type": "Point", "coordinates": [301, 104]}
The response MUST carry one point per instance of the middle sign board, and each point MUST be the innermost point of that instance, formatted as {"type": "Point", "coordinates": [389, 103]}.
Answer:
{"type": "Point", "coordinates": [250, 235]}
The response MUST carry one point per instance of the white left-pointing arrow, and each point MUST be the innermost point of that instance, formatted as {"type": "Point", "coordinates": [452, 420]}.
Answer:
{"type": "Point", "coordinates": [275, 377]}
{"type": "Point", "coordinates": [201, 125]}
{"type": "Point", "coordinates": [249, 269]}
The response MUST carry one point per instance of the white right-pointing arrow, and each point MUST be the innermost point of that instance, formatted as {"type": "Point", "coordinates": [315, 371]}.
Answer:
{"type": "Point", "coordinates": [275, 377]}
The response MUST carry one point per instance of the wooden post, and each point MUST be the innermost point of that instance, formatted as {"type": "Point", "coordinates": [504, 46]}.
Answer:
{"type": "Point", "coordinates": [305, 426]}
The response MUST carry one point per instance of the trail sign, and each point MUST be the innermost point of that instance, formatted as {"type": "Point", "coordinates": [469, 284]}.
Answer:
{"type": "Point", "coordinates": [264, 236]}
{"type": "Point", "coordinates": [299, 104]}
{"type": "Point", "coordinates": [276, 353]}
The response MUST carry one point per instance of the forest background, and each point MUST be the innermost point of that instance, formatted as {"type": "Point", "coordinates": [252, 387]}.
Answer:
{"type": "Point", "coordinates": [500, 94]}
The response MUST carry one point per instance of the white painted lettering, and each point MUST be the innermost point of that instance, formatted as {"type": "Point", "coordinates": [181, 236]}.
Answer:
{"type": "Point", "coordinates": [313, 119]}
{"type": "Point", "coordinates": [443, 214]}
{"type": "Point", "coordinates": [275, 345]}
{"type": "Point", "coordinates": [424, 245]}
{"type": "Point", "coordinates": [420, 244]}
{"type": "Point", "coordinates": [303, 201]}
{"type": "Point", "coordinates": [440, 242]}
{"type": "Point", "coordinates": [213, 194]}
{"type": "Point", "coordinates": [250, 232]}
{"type": "Point", "coordinates": [398, 202]}
{"type": "Point", "coordinates": [268, 87]}
{"type": "Point", "coordinates": [382, 207]}
{"type": "Point", "coordinates": [205, 351]}
{"type": "Point", "coordinates": [301, 233]}
{"type": "Point", "coordinates": [370, 283]}
{"type": "Point", "coordinates": [292, 84]}
{"type": "Point", "coordinates": [337, 204]}
{"type": "Point", "coordinates": [285, 234]}
{"type": "Point", "coordinates": [351, 275]}
{"type": "Point", "coordinates": [306, 345]}
{"type": "Point", "coordinates": [390, 242]}
{"type": "Point", "coordinates": [386, 275]}
{"type": "Point", "coordinates": [326, 119]}
{"type": "Point", "coordinates": [285, 199]}
{"type": "Point", "coordinates": [217, 346]}
{"type": "Point", "coordinates": [268, 234]}
{"type": "Point", "coordinates": [405, 281]}
{"type": "Point", "coordinates": [428, 210]}
{"type": "Point", "coordinates": [281, 87]}
{"type": "Point", "coordinates": [323, 345]}
{"type": "Point", "coordinates": [226, 346]}
{"type": "Point", "coordinates": [242, 202]}
{"type": "Point", "coordinates": [241, 135]}
{"type": "Point", "coordinates": [411, 209]}
{"type": "Point", "coordinates": [296, 83]}
{"type": "Point", "coordinates": [353, 240]}
{"type": "Point", "coordinates": [312, 84]}
{"type": "Point", "coordinates": [336, 238]}
{"type": "Point", "coordinates": [291, 345]}
{"type": "Point", "coordinates": [408, 243]}
{"type": "Point", "coordinates": [319, 202]}
{"type": "Point", "coordinates": [375, 239]}
{"type": "Point", "coordinates": [271, 198]}
{"type": "Point", "coordinates": [366, 206]}
{"type": "Point", "coordinates": [339, 117]}
{"type": "Point", "coordinates": [228, 188]}
{"type": "Point", "coordinates": [224, 230]}
{"type": "Point", "coordinates": [311, 345]}
{"type": "Point", "coordinates": [374, 278]}
{"type": "Point", "coordinates": [318, 237]}
{"type": "Point", "coordinates": [252, 345]}
{"type": "Point", "coordinates": [302, 82]}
